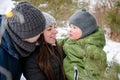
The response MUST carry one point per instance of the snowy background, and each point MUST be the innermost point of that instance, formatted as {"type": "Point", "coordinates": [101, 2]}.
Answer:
{"type": "Point", "coordinates": [111, 48]}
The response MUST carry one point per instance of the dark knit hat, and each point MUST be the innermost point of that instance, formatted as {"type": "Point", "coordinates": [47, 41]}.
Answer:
{"type": "Point", "coordinates": [85, 21]}
{"type": "Point", "coordinates": [27, 21]}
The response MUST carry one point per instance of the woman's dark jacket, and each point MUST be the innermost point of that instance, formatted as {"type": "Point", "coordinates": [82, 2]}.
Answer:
{"type": "Point", "coordinates": [33, 72]}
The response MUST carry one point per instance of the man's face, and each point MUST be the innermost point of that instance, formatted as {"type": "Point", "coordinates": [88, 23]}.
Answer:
{"type": "Point", "coordinates": [33, 39]}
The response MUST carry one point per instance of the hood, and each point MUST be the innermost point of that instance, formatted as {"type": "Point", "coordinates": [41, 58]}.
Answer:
{"type": "Point", "coordinates": [97, 38]}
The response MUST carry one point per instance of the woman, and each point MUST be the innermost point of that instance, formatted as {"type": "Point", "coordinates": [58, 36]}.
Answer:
{"type": "Point", "coordinates": [46, 63]}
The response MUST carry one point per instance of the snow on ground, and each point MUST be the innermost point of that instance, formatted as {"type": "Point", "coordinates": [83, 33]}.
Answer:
{"type": "Point", "coordinates": [112, 49]}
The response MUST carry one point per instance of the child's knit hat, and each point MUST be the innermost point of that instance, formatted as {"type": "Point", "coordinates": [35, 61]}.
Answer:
{"type": "Point", "coordinates": [85, 21]}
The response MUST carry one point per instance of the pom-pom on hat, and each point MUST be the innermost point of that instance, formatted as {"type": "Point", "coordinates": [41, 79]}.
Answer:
{"type": "Point", "coordinates": [85, 21]}
{"type": "Point", "coordinates": [27, 21]}
{"type": "Point", "coordinates": [49, 19]}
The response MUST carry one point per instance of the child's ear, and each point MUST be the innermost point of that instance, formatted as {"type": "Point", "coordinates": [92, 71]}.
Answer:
{"type": "Point", "coordinates": [71, 25]}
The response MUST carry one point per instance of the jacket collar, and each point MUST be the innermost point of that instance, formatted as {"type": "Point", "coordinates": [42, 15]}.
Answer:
{"type": "Point", "coordinates": [8, 46]}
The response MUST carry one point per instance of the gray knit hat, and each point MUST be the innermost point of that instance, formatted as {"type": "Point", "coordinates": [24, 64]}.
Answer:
{"type": "Point", "coordinates": [27, 21]}
{"type": "Point", "coordinates": [49, 19]}
{"type": "Point", "coordinates": [85, 21]}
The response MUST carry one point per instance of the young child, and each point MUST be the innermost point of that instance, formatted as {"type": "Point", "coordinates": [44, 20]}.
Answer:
{"type": "Point", "coordinates": [85, 58]}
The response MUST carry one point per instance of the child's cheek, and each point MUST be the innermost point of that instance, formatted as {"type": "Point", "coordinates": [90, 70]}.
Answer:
{"type": "Point", "coordinates": [76, 36]}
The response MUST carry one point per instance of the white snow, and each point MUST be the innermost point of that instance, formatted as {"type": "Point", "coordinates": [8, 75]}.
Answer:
{"type": "Point", "coordinates": [6, 6]}
{"type": "Point", "coordinates": [112, 49]}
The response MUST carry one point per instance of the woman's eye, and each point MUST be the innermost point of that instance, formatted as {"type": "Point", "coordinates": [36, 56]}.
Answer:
{"type": "Point", "coordinates": [49, 29]}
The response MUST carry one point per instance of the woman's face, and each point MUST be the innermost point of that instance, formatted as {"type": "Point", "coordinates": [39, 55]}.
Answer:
{"type": "Point", "coordinates": [75, 32]}
{"type": "Point", "coordinates": [50, 34]}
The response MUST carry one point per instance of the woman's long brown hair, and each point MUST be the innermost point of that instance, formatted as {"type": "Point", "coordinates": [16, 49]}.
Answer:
{"type": "Point", "coordinates": [44, 60]}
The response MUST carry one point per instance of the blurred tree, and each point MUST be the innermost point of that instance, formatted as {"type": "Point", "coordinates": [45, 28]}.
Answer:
{"type": "Point", "coordinates": [113, 21]}
{"type": "Point", "coordinates": [60, 9]}
{"type": "Point", "coordinates": [117, 3]}
{"type": "Point", "coordinates": [113, 71]}
{"type": "Point", "coordinates": [107, 14]}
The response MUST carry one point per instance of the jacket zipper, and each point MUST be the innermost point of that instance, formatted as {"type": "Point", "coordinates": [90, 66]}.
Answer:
{"type": "Point", "coordinates": [75, 73]}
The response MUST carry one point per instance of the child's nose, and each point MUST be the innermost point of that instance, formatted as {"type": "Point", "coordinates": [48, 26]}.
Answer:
{"type": "Point", "coordinates": [68, 28]}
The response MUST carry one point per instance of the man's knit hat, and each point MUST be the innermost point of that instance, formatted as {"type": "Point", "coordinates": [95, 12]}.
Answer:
{"type": "Point", "coordinates": [85, 21]}
{"type": "Point", "coordinates": [49, 19]}
{"type": "Point", "coordinates": [27, 21]}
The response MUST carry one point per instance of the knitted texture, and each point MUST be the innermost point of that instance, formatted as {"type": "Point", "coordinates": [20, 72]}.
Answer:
{"type": "Point", "coordinates": [49, 19]}
{"type": "Point", "coordinates": [27, 21]}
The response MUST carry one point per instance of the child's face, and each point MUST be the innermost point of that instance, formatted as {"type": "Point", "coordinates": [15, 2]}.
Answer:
{"type": "Point", "coordinates": [75, 32]}
{"type": "Point", "coordinates": [50, 34]}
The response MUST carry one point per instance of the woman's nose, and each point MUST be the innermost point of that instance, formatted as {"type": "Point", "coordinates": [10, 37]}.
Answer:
{"type": "Point", "coordinates": [55, 31]}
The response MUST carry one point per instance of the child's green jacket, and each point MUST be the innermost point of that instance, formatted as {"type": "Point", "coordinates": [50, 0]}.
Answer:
{"type": "Point", "coordinates": [85, 58]}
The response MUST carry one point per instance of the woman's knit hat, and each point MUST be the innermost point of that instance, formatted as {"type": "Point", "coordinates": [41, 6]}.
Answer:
{"type": "Point", "coordinates": [27, 21]}
{"type": "Point", "coordinates": [49, 19]}
{"type": "Point", "coordinates": [85, 21]}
